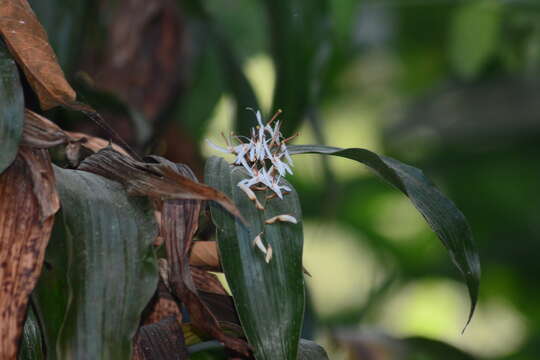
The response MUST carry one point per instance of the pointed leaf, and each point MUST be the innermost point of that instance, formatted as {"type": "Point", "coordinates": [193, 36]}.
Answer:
{"type": "Point", "coordinates": [107, 260]}
{"type": "Point", "coordinates": [440, 213]}
{"type": "Point", "coordinates": [24, 234]}
{"type": "Point", "coordinates": [269, 297]}
{"type": "Point", "coordinates": [11, 108]}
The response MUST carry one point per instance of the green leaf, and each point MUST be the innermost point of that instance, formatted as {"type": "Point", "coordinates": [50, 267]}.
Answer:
{"type": "Point", "coordinates": [106, 258]}
{"type": "Point", "coordinates": [31, 342]}
{"type": "Point", "coordinates": [475, 30]}
{"type": "Point", "coordinates": [11, 108]}
{"type": "Point", "coordinates": [269, 297]}
{"type": "Point", "coordinates": [441, 214]}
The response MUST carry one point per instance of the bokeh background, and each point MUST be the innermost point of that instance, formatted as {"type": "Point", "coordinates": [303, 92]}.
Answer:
{"type": "Point", "coordinates": [448, 86]}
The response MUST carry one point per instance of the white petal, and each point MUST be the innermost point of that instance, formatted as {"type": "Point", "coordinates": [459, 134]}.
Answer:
{"type": "Point", "coordinates": [217, 147]}
{"type": "Point", "coordinates": [258, 243]}
{"type": "Point", "coordinates": [268, 254]}
{"type": "Point", "coordinates": [284, 218]}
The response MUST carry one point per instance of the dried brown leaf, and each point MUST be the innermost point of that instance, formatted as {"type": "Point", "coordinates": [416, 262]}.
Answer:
{"type": "Point", "coordinates": [204, 254]}
{"type": "Point", "coordinates": [39, 132]}
{"type": "Point", "coordinates": [29, 44]}
{"type": "Point", "coordinates": [207, 282]}
{"type": "Point", "coordinates": [29, 200]}
{"type": "Point", "coordinates": [179, 225]}
{"type": "Point", "coordinates": [158, 179]}
{"type": "Point", "coordinates": [163, 340]}
{"type": "Point", "coordinates": [94, 143]}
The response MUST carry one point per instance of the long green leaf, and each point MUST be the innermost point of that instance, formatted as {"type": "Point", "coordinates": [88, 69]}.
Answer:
{"type": "Point", "coordinates": [441, 214]}
{"type": "Point", "coordinates": [269, 297]}
{"type": "Point", "coordinates": [11, 108]}
{"type": "Point", "coordinates": [108, 264]}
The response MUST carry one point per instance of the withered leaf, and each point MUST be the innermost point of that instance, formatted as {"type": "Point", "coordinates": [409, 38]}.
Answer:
{"type": "Point", "coordinates": [179, 225]}
{"type": "Point", "coordinates": [163, 340]}
{"type": "Point", "coordinates": [204, 254]}
{"type": "Point", "coordinates": [158, 179]}
{"type": "Point", "coordinates": [26, 219]}
{"type": "Point", "coordinates": [207, 282]}
{"type": "Point", "coordinates": [39, 132]}
{"type": "Point", "coordinates": [29, 44]}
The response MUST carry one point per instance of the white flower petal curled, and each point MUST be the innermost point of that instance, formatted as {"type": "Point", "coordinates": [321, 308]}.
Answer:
{"type": "Point", "coordinates": [268, 254]}
{"type": "Point", "coordinates": [250, 194]}
{"type": "Point", "coordinates": [283, 218]}
{"type": "Point", "coordinates": [257, 242]}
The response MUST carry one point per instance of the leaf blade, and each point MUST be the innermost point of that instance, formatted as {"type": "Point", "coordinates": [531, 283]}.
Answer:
{"type": "Point", "coordinates": [111, 268]}
{"type": "Point", "coordinates": [440, 213]}
{"type": "Point", "coordinates": [269, 297]}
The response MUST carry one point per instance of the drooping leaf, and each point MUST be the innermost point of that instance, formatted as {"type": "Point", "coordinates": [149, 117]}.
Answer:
{"type": "Point", "coordinates": [11, 108]}
{"type": "Point", "coordinates": [440, 213]}
{"type": "Point", "coordinates": [179, 223]}
{"type": "Point", "coordinates": [163, 340]}
{"type": "Point", "coordinates": [24, 233]}
{"type": "Point", "coordinates": [103, 253]}
{"type": "Point", "coordinates": [28, 42]}
{"type": "Point", "coordinates": [269, 297]}
{"type": "Point", "coordinates": [32, 347]}
{"type": "Point", "coordinates": [158, 179]}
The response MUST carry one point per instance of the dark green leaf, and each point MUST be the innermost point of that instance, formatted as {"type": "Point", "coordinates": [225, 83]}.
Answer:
{"type": "Point", "coordinates": [269, 297]}
{"type": "Point", "coordinates": [441, 214]}
{"type": "Point", "coordinates": [107, 260]}
{"type": "Point", "coordinates": [31, 343]}
{"type": "Point", "coordinates": [11, 108]}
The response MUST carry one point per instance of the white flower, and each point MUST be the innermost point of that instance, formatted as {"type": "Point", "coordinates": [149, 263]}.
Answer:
{"type": "Point", "coordinates": [266, 146]}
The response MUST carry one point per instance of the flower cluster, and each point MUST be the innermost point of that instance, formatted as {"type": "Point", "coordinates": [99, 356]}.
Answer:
{"type": "Point", "coordinates": [265, 158]}
{"type": "Point", "coordinates": [266, 147]}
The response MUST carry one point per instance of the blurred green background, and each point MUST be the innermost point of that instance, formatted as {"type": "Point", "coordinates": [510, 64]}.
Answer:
{"type": "Point", "coordinates": [448, 86]}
